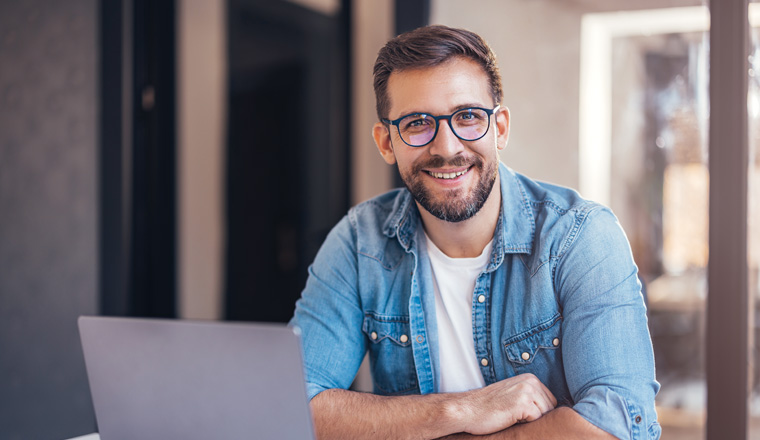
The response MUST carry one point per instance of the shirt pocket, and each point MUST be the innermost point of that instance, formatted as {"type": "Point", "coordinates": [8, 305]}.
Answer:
{"type": "Point", "coordinates": [390, 354]}
{"type": "Point", "coordinates": [536, 350]}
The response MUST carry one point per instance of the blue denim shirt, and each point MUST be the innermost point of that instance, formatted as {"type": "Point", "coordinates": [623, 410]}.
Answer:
{"type": "Point", "coordinates": [562, 301]}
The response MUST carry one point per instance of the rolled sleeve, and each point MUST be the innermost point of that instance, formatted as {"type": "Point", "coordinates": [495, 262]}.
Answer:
{"type": "Point", "coordinates": [607, 349]}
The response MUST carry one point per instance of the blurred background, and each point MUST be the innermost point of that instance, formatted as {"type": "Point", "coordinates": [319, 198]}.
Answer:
{"type": "Point", "coordinates": [186, 158]}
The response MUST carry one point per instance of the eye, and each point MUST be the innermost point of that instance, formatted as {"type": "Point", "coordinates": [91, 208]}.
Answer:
{"type": "Point", "coordinates": [470, 116]}
{"type": "Point", "coordinates": [417, 122]}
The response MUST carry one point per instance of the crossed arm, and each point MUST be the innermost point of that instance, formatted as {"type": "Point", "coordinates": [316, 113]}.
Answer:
{"type": "Point", "coordinates": [515, 408]}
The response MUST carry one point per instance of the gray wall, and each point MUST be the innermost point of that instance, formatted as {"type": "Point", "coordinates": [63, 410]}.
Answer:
{"type": "Point", "coordinates": [48, 214]}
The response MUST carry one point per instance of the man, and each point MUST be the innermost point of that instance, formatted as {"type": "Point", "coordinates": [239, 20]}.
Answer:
{"type": "Point", "coordinates": [490, 304]}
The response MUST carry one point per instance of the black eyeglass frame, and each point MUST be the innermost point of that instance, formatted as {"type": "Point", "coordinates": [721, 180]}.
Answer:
{"type": "Point", "coordinates": [437, 119]}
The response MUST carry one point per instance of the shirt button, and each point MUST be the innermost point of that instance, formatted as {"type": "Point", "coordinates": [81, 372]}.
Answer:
{"type": "Point", "coordinates": [420, 339]}
{"type": "Point", "coordinates": [525, 356]}
{"type": "Point", "coordinates": [373, 335]}
{"type": "Point", "coordinates": [484, 362]}
{"type": "Point", "coordinates": [638, 419]}
{"type": "Point", "coordinates": [481, 298]}
{"type": "Point", "coordinates": [555, 342]}
{"type": "Point", "coordinates": [403, 338]}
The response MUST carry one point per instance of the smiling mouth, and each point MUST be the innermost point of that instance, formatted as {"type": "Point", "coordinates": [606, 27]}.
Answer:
{"type": "Point", "coordinates": [447, 175]}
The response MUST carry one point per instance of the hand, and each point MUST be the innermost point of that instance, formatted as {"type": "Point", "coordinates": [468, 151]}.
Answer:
{"type": "Point", "coordinates": [500, 405]}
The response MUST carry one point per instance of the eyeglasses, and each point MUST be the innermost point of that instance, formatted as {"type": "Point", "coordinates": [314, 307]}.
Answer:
{"type": "Point", "coordinates": [419, 129]}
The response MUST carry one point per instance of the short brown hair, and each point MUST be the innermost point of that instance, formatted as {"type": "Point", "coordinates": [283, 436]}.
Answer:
{"type": "Point", "coordinates": [427, 47]}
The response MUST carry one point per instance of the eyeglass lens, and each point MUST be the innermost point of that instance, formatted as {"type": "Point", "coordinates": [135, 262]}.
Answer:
{"type": "Point", "coordinates": [468, 124]}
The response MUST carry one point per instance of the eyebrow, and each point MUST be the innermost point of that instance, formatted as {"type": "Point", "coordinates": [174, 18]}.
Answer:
{"type": "Point", "coordinates": [454, 110]}
{"type": "Point", "coordinates": [469, 105]}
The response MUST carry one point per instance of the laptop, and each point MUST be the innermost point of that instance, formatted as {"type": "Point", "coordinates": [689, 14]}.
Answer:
{"type": "Point", "coordinates": [193, 380]}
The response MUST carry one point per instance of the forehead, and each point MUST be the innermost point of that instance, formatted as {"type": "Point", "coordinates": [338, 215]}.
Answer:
{"type": "Point", "coordinates": [440, 89]}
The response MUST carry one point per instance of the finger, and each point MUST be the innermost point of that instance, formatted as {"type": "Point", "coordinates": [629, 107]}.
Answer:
{"type": "Point", "coordinates": [549, 396]}
{"type": "Point", "coordinates": [534, 405]}
{"type": "Point", "coordinates": [543, 403]}
{"type": "Point", "coordinates": [543, 397]}
{"type": "Point", "coordinates": [532, 413]}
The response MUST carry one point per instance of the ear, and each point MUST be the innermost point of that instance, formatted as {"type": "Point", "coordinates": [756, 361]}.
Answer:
{"type": "Point", "coordinates": [502, 126]}
{"type": "Point", "coordinates": [383, 141]}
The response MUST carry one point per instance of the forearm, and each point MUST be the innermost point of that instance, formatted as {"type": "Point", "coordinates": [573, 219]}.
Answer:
{"type": "Point", "coordinates": [341, 414]}
{"type": "Point", "coordinates": [562, 423]}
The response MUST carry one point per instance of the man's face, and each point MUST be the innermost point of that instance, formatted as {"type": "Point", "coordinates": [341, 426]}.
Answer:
{"type": "Point", "coordinates": [449, 177]}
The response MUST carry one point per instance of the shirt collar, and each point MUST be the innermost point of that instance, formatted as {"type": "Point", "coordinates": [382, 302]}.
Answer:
{"type": "Point", "coordinates": [402, 222]}
{"type": "Point", "coordinates": [517, 225]}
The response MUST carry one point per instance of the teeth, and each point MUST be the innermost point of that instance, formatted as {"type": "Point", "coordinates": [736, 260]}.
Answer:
{"type": "Point", "coordinates": [446, 175]}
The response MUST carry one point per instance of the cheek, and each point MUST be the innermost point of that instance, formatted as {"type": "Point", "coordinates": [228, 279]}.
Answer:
{"type": "Point", "coordinates": [408, 159]}
{"type": "Point", "coordinates": [489, 149]}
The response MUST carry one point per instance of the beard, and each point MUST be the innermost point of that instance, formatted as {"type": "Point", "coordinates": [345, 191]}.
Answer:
{"type": "Point", "coordinates": [452, 205]}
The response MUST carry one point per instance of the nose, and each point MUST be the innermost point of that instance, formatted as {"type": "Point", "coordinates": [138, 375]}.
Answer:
{"type": "Point", "coordinates": [446, 143]}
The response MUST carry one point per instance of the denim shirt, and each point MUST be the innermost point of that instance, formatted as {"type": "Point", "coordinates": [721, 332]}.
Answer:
{"type": "Point", "coordinates": [559, 298]}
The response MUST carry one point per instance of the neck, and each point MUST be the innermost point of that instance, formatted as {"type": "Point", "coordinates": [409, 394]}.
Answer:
{"type": "Point", "coordinates": [465, 239]}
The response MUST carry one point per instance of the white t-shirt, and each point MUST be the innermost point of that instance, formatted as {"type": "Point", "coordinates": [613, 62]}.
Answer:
{"type": "Point", "coordinates": [454, 282]}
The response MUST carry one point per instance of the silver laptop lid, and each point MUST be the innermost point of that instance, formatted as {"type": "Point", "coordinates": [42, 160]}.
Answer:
{"type": "Point", "coordinates": [170, 379]}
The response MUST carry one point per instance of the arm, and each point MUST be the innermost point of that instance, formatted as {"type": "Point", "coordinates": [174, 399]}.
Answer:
{"type": "Point", "coordinates": [341, 414]}
{"type": "Point", "coordinates": [561, 423]}
{"type": "Point", "coordinates": [606, 347]}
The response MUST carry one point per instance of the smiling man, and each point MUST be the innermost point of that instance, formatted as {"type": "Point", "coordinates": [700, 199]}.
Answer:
{"type": "Point", "coordinates": [490, 304]}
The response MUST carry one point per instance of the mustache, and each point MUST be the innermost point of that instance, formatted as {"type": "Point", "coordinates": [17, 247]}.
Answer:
{"type": "Point", "coordinates": [440, 162]}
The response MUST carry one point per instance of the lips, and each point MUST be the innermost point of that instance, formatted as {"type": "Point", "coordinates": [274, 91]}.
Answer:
{"type": "Point", "coordinates": [452, 170]}
{"type": "Point", "coordinates": [452, 175]}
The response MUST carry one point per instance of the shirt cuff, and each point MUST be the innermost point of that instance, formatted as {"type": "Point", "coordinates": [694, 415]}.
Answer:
{"type": "Point", "coordinates": [612, 413]}
{"type": "Point", "coordinates": [312, 390]}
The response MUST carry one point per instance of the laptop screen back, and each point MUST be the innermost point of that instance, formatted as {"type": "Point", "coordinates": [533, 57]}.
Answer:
{"type": "Point", "coordinates": [170, 379]}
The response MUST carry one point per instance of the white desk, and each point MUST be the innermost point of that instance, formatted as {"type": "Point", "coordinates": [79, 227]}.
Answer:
{"type": "Point", "coordinates": [94, 436]}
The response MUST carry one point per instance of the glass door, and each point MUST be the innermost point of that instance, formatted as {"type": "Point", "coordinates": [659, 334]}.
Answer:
{"type": "Point", "coordinates": [753, 225]}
